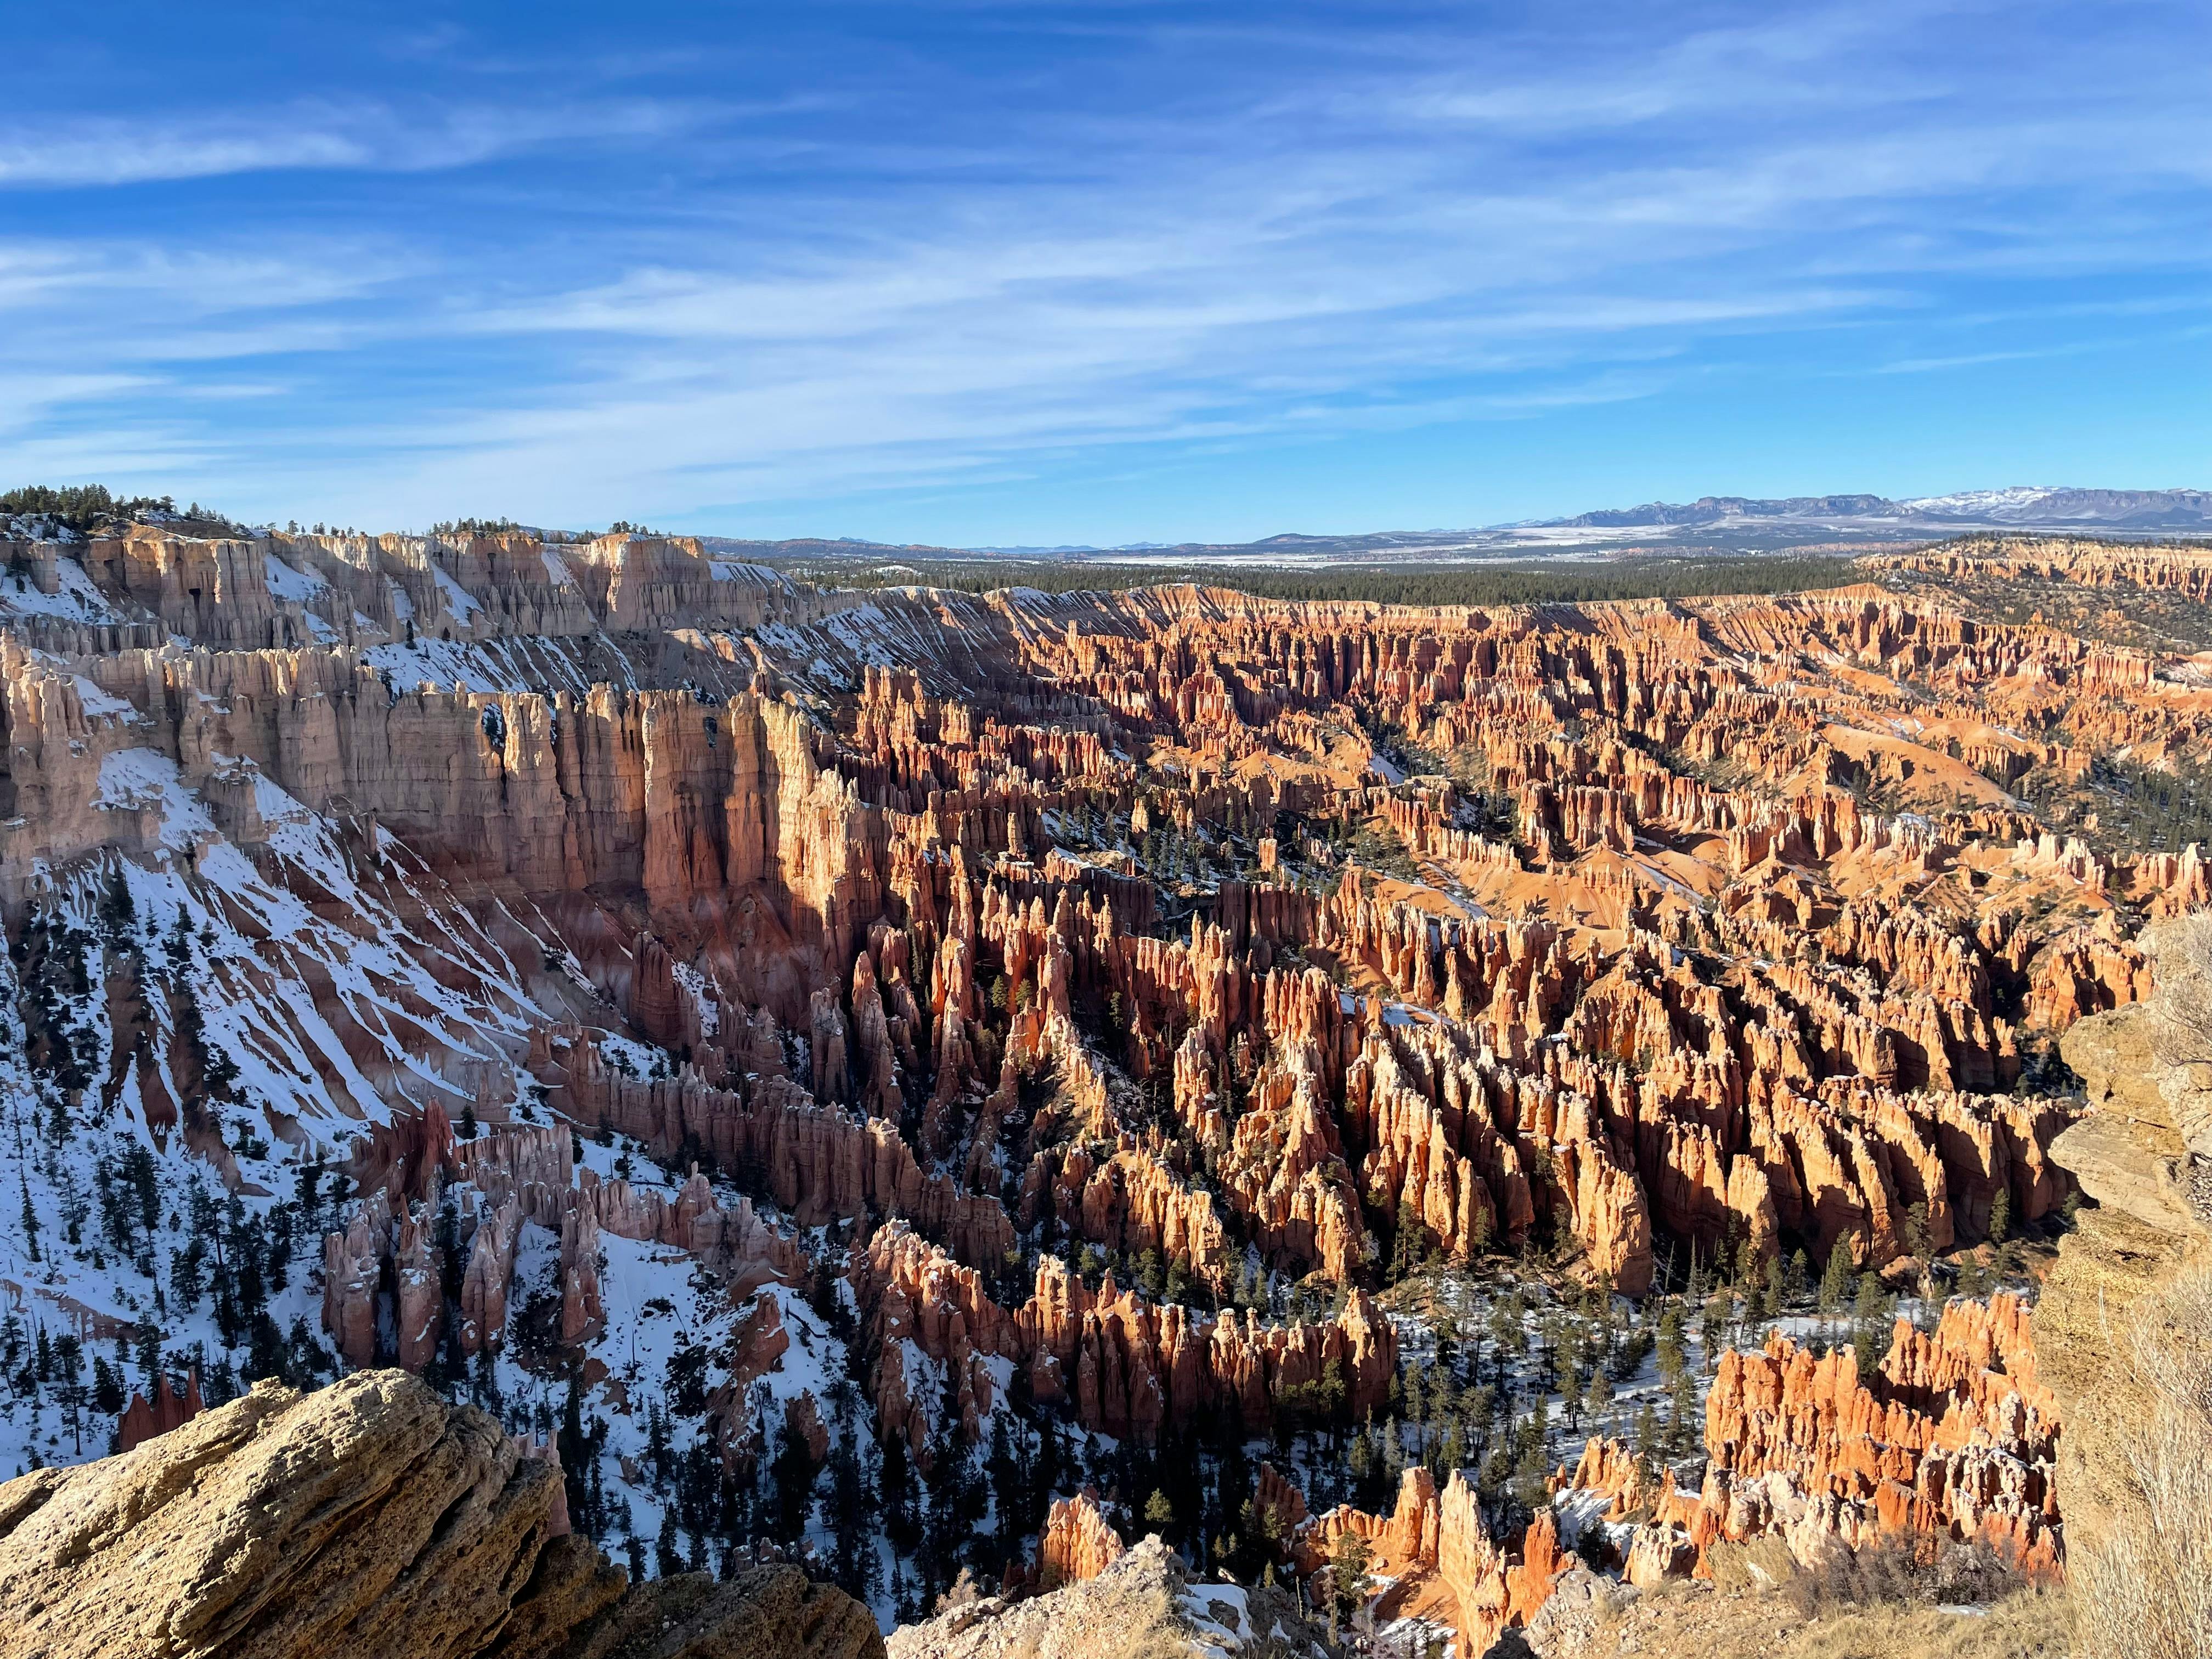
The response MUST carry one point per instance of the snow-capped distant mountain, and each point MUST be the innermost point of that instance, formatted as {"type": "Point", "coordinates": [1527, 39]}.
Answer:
{"type": "Point", "coordinates": [2018, 506]}
{"type": "Point", "coordinates": [1722, 523]}
{"type": "Point", "coordinates": [1982, 500]}
{"type": "Point", "coordinates": [2124, 509]}
{"type": "Point", "coordinates": [1714, 524]}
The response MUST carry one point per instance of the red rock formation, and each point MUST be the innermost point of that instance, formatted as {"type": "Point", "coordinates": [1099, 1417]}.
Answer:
{"type": "Point", "coordinates": [1076, 1542]}
{"type": "Point", "coordinates": [350, 1272]}
{"type": "Point", "coordinates": [581, 1311]}
{"type": "Point", "coordinates": [484, 1281]}
{"type": "Point", "coordinates": [418, 1300]}
{"type": "Point", "coordinates": [1953, 1437]}
{"type": "Point", "coordinates": [1437, 1548]}
{"type": "Point", "coordinates": [1128, 1366]}
{"type": "Point", "coordinates": [168, 1409]}
{"type": "Point", "coordinates": [906, 952]}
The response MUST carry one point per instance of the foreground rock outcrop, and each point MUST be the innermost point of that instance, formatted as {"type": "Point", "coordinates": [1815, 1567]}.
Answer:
{"type": "Point", "coordinates": [371, 1519]}
{"type": "Point", "coordinates": [2125, 1322]}
{"type": "Point", "coordinates": [1144, 1605]}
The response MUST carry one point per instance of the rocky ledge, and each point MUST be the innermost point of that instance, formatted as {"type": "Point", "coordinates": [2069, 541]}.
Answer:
{"type": "Point", "coordinates": [1144, 1605]}
{"type": "Point", "coordinates": [368, 1519]}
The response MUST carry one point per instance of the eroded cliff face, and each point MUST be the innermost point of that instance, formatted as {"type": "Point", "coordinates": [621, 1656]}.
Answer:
{"type": "Point", "coordinates": [1435, 1553]}
{"type": "Point", "coordinates": [1079, 1007]}
{"type": "Point", "coordinates": [765, 853]}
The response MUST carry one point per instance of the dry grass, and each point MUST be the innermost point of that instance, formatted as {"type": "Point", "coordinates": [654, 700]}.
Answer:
{"type": "Point", "coordinates": [1704, 1622]}
{"type": "Point", "coordinates": [2031, 1625]}
{"type": "Point", "coordinates": [2143, 1589]}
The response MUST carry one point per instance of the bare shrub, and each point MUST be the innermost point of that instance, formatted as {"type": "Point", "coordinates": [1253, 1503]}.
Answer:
{"type": "Point", "coordinates": [1760, 1563]}
{"type": "Point", "coordinates": [2143, 1589]}
{"type": "Point", "coordinates": [1770, 1561]}
{"type": "Point", "coordinates": [2182, 1008]}
{"type": "Point", "coordinates": [1900, 1569]}
{"type": "Point", "coordinates": [965, 1593]}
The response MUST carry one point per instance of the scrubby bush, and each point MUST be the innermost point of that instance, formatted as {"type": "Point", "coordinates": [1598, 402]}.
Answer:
{"type": "Point", "coordinates": [2142, 1585]}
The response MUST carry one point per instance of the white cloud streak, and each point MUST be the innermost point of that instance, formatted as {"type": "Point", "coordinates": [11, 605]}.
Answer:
{"type": "Point", "coordinates": [352, 136]}
{"type": "Point", "coordinates": [1492, 234]}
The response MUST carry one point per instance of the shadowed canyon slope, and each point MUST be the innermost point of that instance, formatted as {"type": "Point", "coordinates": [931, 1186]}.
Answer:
{"type": "Point", "coordinates": [928, 1087]}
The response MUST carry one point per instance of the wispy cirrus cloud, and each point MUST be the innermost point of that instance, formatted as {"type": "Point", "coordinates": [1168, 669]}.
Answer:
{"type": "Point", "coordinates": [315, 135]}
{"type": "Point", "coordinates": [816, 267]}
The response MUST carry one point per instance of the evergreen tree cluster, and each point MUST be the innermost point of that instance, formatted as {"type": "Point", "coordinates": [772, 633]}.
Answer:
{"type": "Point", "coordinates": [82, 507]}
{"type": "Point", "coordinates": [1430, 584]}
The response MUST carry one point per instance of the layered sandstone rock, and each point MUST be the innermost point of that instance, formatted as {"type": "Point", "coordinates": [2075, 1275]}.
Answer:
{"type": "Point", "coordinates": [369, 1518]}
{"type": "Point", "coordinates": [2120, 1324]}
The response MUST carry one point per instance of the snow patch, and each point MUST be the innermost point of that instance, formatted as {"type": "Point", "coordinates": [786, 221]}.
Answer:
{"type": "Point", "coordinates": [101, 705]}
{"type": "Point", "coordinates": [297, 587]}
{"type": "Point", "coordinates": [145, 779]}
{"type": "Point", "coordinates": [458, 600]}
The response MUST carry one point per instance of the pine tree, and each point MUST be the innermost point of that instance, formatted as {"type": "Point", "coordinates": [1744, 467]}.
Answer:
{"type": "Point", "coordinates": [1796, 1276]}
{"type": "Point", "coordinates": [117, 912]}
{"type": "Point", "coordinates": [1682, 1408]}
{"type": "Point", "coordinates": [1598, 1398]}
{"type": "Point", "coordinates": [851, 1512]}
{"type": "Point", "coordinates": [1159, 1514]}
{"type": "Point", "coordinates": [793, 1473]}
{"type": "Point", "coordinates": [1836, 1277]}
{"type": "Point", "coordinates": [1866, 1349]}
{"type": "Point", "coordinates": [901, 1523]}
{"type": "Point", "coordinates": [1869, 1342]}
{"type": "Point", "coordinates": [1673, 1356]}
{"type": "Point", "coordinates": [1567, 1357]}
{"type": "Point", "coordinates": [107, 1387]}
{"type": "Point", "coordinates": [1349, 1584]}
{"type": "Point", "coordinates": [69, 1360]}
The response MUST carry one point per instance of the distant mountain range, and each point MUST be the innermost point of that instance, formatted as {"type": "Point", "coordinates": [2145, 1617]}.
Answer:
{"type": "Point", "coordinates": [1710, 524]}
{"type": "Point", "coordinates": [2022, 505]}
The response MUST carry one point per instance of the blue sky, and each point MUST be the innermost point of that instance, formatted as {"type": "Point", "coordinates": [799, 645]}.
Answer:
{"type": "Point", "coordinates": [999, 273]}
